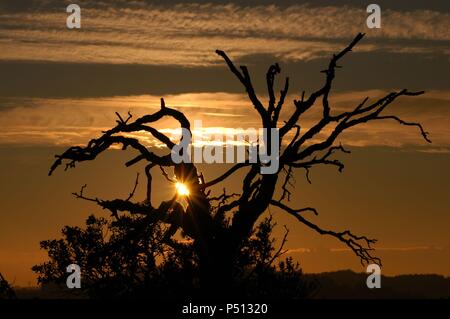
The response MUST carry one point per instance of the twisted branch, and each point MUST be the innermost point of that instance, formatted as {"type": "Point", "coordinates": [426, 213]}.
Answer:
{"type": "Point", "coordinates": [360, 245]}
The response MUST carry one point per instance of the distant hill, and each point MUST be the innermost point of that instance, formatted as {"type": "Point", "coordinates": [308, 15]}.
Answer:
{"type": "Point", "coordinates": [344, 284]}
{"type": "Point", "coordinates": [347, 284]}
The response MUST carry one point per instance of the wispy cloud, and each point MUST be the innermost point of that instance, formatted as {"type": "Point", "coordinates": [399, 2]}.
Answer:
{"type": "Point", "coordinates": [298, 250]}
{"type": "Point", "coordinates": [186, 34]}
{"type": "Point", "coordinates": [75, 121]}
{"type": "Point", "coordinates": [396, 249]}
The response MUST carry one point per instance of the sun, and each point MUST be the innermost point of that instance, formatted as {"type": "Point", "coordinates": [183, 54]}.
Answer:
{"type": "Point", "coordinates": [182, 189]}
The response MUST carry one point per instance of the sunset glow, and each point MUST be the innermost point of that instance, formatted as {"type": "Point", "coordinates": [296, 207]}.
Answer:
{"type": "Point", "coordinates": [63, 89]}
{"type": "Point", "coordinates": [182, 189]}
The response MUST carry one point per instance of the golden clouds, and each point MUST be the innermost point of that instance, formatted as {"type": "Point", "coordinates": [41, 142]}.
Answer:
{"type": "Point", "coordinates": [75, 121]}
{"type": "Point", "coordinates": [187, 34]}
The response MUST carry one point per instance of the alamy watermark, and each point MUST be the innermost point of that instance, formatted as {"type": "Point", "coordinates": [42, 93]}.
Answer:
{"type": "Point", "coordinates": [374, 279]}
{"type": "Point", "coordinates": [374, 18]}
{"type": "Point", "coordinates": [74, 279]}
{"type": "Point", "coordinates": [230, 146]}
{"type": "Point", "coordinates": [73, 21]}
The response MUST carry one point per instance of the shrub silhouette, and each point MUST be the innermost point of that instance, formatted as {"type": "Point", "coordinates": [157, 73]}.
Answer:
{"type": "Point", "coordinates": [6, 291]}
{"type": "Point", "coordinates": [125, 258]}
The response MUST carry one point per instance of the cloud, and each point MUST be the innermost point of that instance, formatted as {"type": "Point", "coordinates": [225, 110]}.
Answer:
{"type": "Point", "coordinates": [186, 34]}
{"type": "Point", "coordinates": [298, 250]}
{"type": "Point", "coordinates": [75, 121]}
{"type": "Point", "coordinates": [397, 249]}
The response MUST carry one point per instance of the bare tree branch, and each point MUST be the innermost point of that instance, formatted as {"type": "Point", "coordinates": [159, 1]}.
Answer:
{"type": "Point", "coordinates": [302, 105]}
{"type": "Point", "coordinates": [287, 182]}
{"type": "Point", "coordinates": [225, 175]}
{"type": "Point", "coordinates": [270, 77]}
{"type": "Point", "coordinates": [134, 188]}
{"type": "Point", "coordinates": [223, 197]}
{"type": "Point", "coordinates": [360, 245]}
{"type": "Point", "coordinates": [244, 77]}
{"type": "Point", "coordinates": [324, 159]}
{"type": "Point", "coordinates": [347, 120]}
{"type": "Point", "coordinates": [96, 146]}
{"type": "Point", "coordinates": [393, 117]}
{"type": "Point", "coordinates": [166, 176]}
{"type": "Point", "coordinates": [283, 94]}
{"type": "Point", "coordinates": [148, 197]}
{"type": "Point", "coordinates": [280, 251]}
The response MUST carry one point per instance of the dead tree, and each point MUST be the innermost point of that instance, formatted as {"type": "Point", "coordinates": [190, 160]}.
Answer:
{"type": "Point", "coordinates": [215, 240]}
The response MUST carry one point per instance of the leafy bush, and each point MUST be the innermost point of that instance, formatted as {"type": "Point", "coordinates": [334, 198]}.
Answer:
{"type": "Point", "coordinates": [129, 258]}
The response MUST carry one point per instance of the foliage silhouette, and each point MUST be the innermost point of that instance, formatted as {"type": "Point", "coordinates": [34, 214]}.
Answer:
{"type": "Point", "coordinates": [6, 291]}
{"type": "Point", "coordinates": [219, 226]}
{"type": "Point", "coordinates": [125, 258]}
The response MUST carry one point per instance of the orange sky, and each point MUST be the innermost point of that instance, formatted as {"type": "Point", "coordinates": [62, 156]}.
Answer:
{"type": "Point", "coordinates": [400, 198]}
{"type": "Point", "coordinates": [61, 87]}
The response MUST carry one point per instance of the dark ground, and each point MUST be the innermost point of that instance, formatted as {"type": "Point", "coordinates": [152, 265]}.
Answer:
{"type": "Point", "coordinates": [343, 284]}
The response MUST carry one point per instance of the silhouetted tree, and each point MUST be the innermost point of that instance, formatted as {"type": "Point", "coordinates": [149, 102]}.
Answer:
{"type": "Point", "coordinates": [6, 291]}
{"type": "Point", "coordinates": [219, 226]}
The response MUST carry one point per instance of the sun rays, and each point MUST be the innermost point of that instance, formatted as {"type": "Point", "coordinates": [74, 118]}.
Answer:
{"type": "Point", "coordinates": [182, 189]}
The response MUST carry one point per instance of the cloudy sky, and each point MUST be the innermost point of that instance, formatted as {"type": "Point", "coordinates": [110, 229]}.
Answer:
{"type": "Point", "coordinates": [60, 87]}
